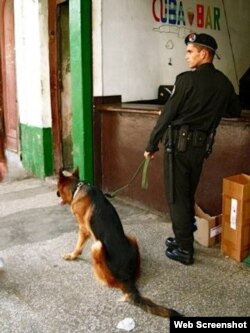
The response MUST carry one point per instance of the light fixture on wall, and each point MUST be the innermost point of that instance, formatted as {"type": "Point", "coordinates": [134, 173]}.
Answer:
{"type": "Point", "coordinates": [170, 44]}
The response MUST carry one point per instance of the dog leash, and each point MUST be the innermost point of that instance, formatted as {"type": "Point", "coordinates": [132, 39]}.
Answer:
{"type": "Point", "coordinates": [144, 164]}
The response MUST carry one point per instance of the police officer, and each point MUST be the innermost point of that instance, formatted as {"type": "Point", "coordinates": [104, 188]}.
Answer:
{"type": "Point", "coordinates": [199, 99]}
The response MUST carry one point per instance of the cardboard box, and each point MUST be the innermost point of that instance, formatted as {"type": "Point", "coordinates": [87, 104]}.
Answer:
{"type": "Point", "coordinates": [208, 231]}
{"type": "Point", "coordinates": [235, 239]}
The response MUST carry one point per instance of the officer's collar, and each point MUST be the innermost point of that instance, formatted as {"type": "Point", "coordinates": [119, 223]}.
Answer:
{"type": "Point", "coordinates": [205, 66]}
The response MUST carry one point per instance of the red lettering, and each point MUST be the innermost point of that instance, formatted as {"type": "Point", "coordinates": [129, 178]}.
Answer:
{"type": "Point", "coordinates": [153, 11]}
{"type": "Point", "coordinates": [200, 15]}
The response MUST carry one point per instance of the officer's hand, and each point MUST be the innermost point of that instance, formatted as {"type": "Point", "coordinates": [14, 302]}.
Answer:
{"type": "Point", "coordinates": [148, 154]}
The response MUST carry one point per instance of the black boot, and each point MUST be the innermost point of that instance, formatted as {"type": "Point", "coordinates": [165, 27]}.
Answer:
{"type": "Point", "coordinates": [178, 254]}
{"type": "Point", "coordinates": [171, 243]}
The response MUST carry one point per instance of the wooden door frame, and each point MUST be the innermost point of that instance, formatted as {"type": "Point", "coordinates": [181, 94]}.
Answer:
{"type": "Point", "coordinates": [81, 85]}
{"type": "Point", "coordinates": [1, 101]}
{"type": "Point", "coordinates": [1, 88]}
{"type": "Point", "coordinates": [14, 144]}
{"type": "Point", "coordinates": [54, 83]}
{"type": "Point", "coordinates": [2, 4]}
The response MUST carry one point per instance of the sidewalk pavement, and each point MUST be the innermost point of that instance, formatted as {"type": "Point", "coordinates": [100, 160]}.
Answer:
{"type": "Point", "coordinates": [42, 293]}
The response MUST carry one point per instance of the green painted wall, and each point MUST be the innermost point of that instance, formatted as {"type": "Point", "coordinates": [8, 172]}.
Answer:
{"type": "Point", "coordinates": [37, 147]}
{"type": "Point", "coordinates": [81, 84]}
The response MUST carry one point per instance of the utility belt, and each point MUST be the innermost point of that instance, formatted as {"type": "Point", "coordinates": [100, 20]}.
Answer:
{"type": "Point", "coordinates": [183, 136]}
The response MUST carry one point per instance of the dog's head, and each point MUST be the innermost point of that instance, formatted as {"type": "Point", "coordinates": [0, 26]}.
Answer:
{"type": "Point", "coordinates": [66, 185]}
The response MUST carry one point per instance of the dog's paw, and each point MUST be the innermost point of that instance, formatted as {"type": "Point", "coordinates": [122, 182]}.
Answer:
{"type": "Point", "coordinates": [69, 256]}
{"type": "Point", "coordinates": [121, 300]}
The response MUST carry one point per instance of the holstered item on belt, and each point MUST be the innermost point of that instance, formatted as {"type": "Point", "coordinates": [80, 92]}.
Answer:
{"type": "Point", "coordinates": [183, 138]}
{"type": "Point", "coordinates": [199, 138]}
{"type": "Point", "coordinates": [209, 144]}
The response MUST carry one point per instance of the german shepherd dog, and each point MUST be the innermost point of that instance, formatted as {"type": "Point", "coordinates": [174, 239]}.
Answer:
{"type": "Point", "coordinates": [115, 256]}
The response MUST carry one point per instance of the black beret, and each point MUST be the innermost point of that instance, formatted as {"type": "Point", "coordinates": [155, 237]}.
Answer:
{"type": "Point", "coordinates": [203, 40]}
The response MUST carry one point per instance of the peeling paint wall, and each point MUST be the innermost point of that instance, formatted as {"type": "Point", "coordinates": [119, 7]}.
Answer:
{"type": "Point", "coordinates": [33, 85]}
{"type": "Point", "coordinates": [32, 62]}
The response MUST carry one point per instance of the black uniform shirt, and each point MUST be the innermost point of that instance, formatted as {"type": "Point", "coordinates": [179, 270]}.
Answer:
{"type": "Point", "coordinates": [199, 99]}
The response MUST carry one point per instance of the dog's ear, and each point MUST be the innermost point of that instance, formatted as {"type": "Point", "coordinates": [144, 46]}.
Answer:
{"type": "Point", "coordinates": [64, 174]}
{"type": "Point", "coordinates": [60, 174]}
{"type": "Point", "coordinates": [76, 173]}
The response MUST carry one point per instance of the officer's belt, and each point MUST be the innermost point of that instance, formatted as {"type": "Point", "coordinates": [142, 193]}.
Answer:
{"type": "Point", "coordinates": [195, 137]}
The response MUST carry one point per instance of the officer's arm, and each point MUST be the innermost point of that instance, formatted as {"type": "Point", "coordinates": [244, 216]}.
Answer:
{"type": "Point", "coordinates": [170, 110]}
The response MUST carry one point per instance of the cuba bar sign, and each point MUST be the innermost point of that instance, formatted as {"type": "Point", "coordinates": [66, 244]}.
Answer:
{"type": "Point", "coordinates": [174, 12]}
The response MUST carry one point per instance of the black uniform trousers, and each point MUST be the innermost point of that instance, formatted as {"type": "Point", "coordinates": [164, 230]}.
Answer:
{"type": "Point", "coordinates": [187, 167]}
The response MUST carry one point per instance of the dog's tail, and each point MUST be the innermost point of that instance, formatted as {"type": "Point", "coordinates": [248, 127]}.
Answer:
{"type": "Point", "coordinates": [133, 296]}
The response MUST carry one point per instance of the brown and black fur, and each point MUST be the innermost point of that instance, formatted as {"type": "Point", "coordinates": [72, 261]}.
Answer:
{"type": "Point", "coordinates": [115, 256]}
